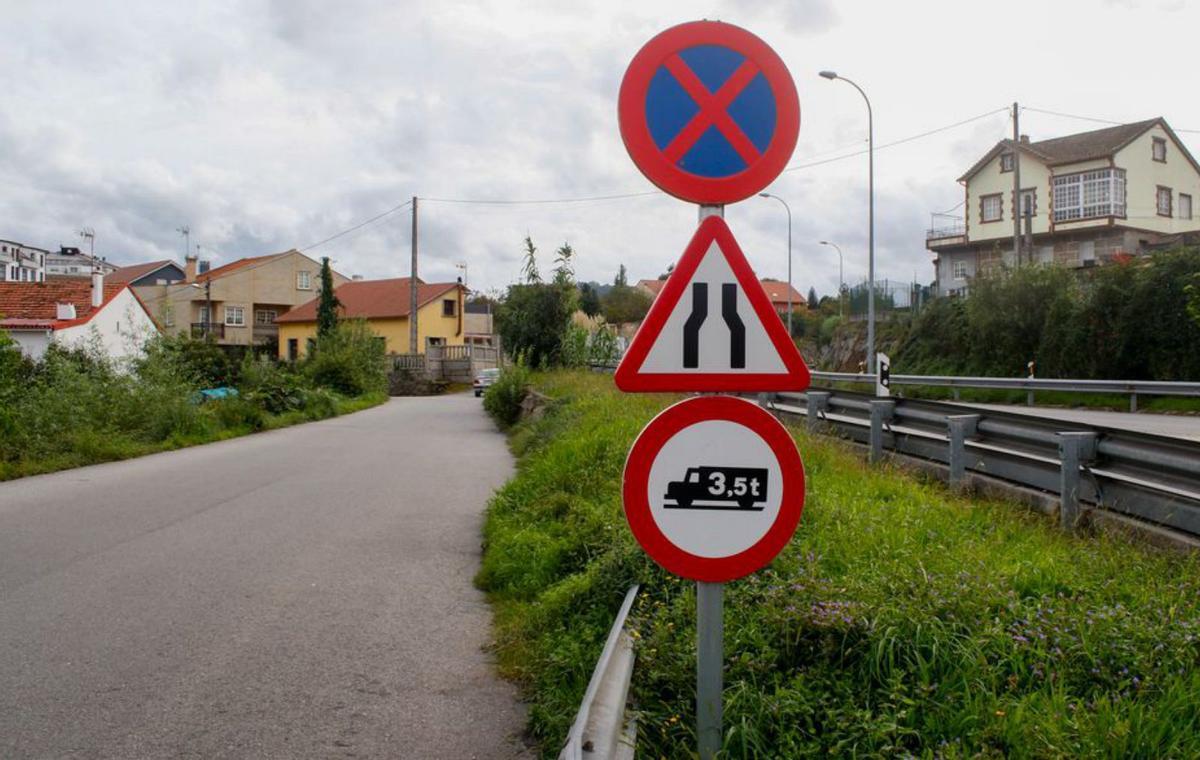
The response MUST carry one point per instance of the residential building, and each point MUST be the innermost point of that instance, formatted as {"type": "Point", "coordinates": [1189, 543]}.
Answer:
{"type": "Point", "coordinates": [21, 263]}
{"type": "Point", "coordinates": [74, 312]}
{"type": "Point", "coordinates": [776, 291]}
{"type": "Point", "coordinates": [72, 262]}
{"type": "Point", "coordinates": [247, 296]}
{"type": "Point", "coordinates": [479, 324]}
{"type": "Point", "coordinates": [164, 272]}
{"type": "Point", "coordinates": [1085, 199]}
{"type": "Point", "coordinates": [385, 305]}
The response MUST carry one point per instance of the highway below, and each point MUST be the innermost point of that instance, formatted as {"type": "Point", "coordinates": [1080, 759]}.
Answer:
{"type": "Point", "coordinates": [1183, 426]}
{"type": "Point", "coordinates": [299, 593]}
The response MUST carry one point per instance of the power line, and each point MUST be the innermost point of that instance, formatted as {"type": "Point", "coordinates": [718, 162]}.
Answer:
{"type": "Point", "coordinates": [541, 201]}
{"type": "Point", "coordinates": [1091, 118]}
{"type": "Point", "coordinates": [358, 226]}
{"type": "Point", "coordinates": [898, 142]}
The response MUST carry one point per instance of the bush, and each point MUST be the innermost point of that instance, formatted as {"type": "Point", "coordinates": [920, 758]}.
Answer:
{"type": "Point", "coordinates": [349, 360]}
{"type": "Point", "coordinates": [272, 386]}
{"type": "Point", "coordinates": [504, 397]}
{"type": "Point", "coordinates": [236, 412]}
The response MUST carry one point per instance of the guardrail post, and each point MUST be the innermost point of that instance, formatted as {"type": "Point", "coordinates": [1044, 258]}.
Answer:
{"type": "Point", "coordinates": [880, 411]}
{"type": "Point", "coordinates": [962, 426]}
{"type": "Point", "coordinates": [1133, 402]}
{"type": "Point", "coordinates": [818, 402]}
{"type": "Point", "coordinates": [1074, 448]}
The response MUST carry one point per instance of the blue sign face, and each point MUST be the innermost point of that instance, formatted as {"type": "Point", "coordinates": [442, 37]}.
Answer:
{"type": "Point", "coordinates": [710, 110]}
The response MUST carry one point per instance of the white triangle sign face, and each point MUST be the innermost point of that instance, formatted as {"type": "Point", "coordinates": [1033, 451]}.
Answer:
{"type": "Point", "coordinates": [712, 328]}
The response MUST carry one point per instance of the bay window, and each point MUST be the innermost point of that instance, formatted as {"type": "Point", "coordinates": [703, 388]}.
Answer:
{"type": "Point", "coordinates": [1087, 195]}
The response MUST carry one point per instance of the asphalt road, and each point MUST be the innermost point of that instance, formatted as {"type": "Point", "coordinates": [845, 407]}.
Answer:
{"type": "Point", "coordinates": [299, 593]}
{"type": "Point", "coordinates": [1184, 426]}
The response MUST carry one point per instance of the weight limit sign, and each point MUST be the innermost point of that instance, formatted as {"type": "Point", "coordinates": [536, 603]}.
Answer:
{"type": "Point", "coordinates": [713, 488]}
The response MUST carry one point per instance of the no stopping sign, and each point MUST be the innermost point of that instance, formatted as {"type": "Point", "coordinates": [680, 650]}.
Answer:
{"type": "Point", "coordinates": [713, 488]}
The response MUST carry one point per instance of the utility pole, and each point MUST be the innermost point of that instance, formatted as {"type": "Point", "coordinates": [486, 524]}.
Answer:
{"type": "Point", "coordinates": [412, 305]}
{"type": "Point", "coordinates": [1016, 211]}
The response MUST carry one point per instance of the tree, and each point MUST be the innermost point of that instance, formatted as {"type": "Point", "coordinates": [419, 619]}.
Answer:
{"type": "Point", "coordinates": [533, 319]}
{"type": "Point", "coordinates": [529, 269]}
{"type": "Point", "coordinates": [328, 304]}
{"type": "Point", "coordinates": [622, 278]}
{"type": "Point", "coordinates": [813, 301]}
{"type": "Point", "coordinates": [564, 271]}
{"type": "Point", "coordinates": [625, 304]}
{"type": "Point", "coordinates": [666, 274]}
{"type": "Point", "coordinates": [589, 299]}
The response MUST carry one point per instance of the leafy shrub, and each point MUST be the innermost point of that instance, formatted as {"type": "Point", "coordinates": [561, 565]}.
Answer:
{"type": "Point", "coordinates": [603, 348]}
{"type": "Point", "coordinates": [272, 386]}
{"type": "Point", "coordinates": [504, 397]}
{"type": "Point", "coordinates": [574, 350]}
{"type": "Point", "coordinates": [236, 412]}
{"type": "Point", "coordinates": [533, 319]}
{"type": "Point", "coordinates": [349, 360]}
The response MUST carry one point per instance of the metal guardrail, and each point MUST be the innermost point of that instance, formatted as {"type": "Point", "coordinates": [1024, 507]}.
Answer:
{"type": "Point", "coordinates": [1029, 384]}
{"type": "Point", "coordinates": [600, 729]}
{"type": "Point", "coordinates": [1150, 479]}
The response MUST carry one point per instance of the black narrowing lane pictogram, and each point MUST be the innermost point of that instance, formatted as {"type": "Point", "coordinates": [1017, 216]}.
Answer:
{"type": "Point", "coordinates": [691, 328]}
{"type": "Point", "coordinates": [737, 330]}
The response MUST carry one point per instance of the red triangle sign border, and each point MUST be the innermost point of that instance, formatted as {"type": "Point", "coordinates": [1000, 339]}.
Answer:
{"type": "Point", "coordinates": [631, 379]}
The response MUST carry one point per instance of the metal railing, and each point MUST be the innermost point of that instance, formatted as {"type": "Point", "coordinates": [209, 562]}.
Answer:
{"type": "Point", "coordinates": [1150, 481]}
{"type": "Point", "coordinates": [600, 729]}
{"type": "Point", "coordinates": [1133, 388]}
{"type": "Point", "coordinates": [215, 329]}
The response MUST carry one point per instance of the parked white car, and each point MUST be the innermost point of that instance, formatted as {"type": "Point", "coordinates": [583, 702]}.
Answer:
{"type": "Point", "coordinates": [484, 379]}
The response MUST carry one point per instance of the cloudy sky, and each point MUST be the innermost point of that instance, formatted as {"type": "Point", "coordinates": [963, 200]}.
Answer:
{"type": "Point", "coordinates": [272, 124]}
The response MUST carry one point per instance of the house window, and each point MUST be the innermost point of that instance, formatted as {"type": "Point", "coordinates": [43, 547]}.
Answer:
{"type": "Point", "coordinates": [449, 307]}
{"type": "Point", "coordinates": [1163, 201]}
{"type": "Point", "coordinates": [960, 270]}
{"type": "Point", "coordinates": [1087, 251]}
{"type": "Point", "coordinates": [303, 280]}
{"type": "Point", "coordinates": [991, 208]}
{"type": "Point", "coordinates": [293, 345]}
{"type": "Point", "coordinates": [265, 316]}
{"type": "Point", "coordinates": [235, 316]}
{"type": "Point", "coordinates": [202, 315]}
{"type": "Point", "coordinates": [1006, 162]}
{"type": "Point", "coordinates": [1158, 150]}
{"type": "Point", "coordinates": [1086, 195]}
{"type": "Point", "coordinates": [1185, 206]}
{"type": "Point", "coordinates": [1029, 202]}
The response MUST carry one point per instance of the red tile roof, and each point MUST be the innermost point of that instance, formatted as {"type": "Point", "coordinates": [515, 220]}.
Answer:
{"type": "Point", "coordinates": [225, 269]}
{"type": "Point", "coordinates": [136, 271]}
{"type": "Point", "coordinates": [776, 291]}
{"type": "Point", "coordinates": [35, 304]}
{"type": "Point", "coordinates": [373, 299]}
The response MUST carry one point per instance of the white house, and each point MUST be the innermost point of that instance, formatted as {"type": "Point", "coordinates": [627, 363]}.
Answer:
{"type": "Point", "coordinates": [21, 263]}
{"type": "Point", "coordinates": [1086, 199]}
{"type": "Point", "coordinates": [73, 312]}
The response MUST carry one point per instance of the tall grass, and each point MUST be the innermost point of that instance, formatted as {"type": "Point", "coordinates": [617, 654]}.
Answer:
{"type": "Point", "coordinates": [900, 621]}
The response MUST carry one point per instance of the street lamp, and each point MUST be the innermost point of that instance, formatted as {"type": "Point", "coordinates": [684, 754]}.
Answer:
{"type": "Point", "coordinates": [871, 219]}
{"type": "Point", "coordinates": [841, 277]}
{"type": "Point", "coordinates": [789, 293]}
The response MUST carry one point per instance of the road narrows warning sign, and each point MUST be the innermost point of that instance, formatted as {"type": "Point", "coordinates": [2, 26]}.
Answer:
{"type": "Point", "coordinates": [712, 328]}
{"type": "Point", "coordinates": [713, 488]}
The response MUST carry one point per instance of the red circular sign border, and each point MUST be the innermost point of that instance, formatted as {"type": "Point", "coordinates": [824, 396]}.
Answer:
{"type": "Point", "coordinates": [631, 114]}
{"type": "Point", "coordinates": [637, 475]}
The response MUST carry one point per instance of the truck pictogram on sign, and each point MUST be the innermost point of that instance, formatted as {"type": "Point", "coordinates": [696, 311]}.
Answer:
{"type": "Point", "coordinates": [738, 488]}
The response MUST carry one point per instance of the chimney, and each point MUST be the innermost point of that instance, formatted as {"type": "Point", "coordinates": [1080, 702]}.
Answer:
{"type": "Point", "coordinates": [97, 289]}
{"type": "Point", "coordinates": [205, 265]}
{"type": "Point", "coordinates": [357, 278]}
{"type": "Point", "coordinates": [189, 268]}
{"type": "Point", "coordinates": [64, 311]}
{"type": "Point", "coordinates": [1024, 139]}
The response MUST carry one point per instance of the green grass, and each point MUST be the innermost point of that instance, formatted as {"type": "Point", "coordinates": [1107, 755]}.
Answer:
{"type": "Point", "coordinates": [900, 621]}
{"type": "Point", "coordinates": [87, 447]}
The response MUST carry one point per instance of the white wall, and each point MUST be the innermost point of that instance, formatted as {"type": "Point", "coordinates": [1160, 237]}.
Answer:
{"type": "Point", "coordinates": [33, 343]}
{"type": "Point", "coordinates": [122, 328]}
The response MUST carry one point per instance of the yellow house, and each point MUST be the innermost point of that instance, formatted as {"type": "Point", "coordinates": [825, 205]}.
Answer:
{"type": "Point", "coordinates": [1086, 199]}
{"type": "Point", "coordinates": [384, 304]}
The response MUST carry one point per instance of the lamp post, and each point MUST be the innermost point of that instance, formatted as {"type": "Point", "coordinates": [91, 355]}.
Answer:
{"type": "Point", "coordinates": [871, 219]}
{"type": "Point", "coordinates": [841, 277]}
{"type": "Point", "coordinates": [789, 279]}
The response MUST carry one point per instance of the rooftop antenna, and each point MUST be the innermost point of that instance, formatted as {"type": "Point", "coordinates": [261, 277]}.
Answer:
{"type": "Point", "coordinates": [186, 231]}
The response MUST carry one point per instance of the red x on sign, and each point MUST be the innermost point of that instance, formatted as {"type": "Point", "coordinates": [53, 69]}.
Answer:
{"type": "Point", "coordinates": [709, 112]}
{"type": "Point", "coordinates": [713, 110]}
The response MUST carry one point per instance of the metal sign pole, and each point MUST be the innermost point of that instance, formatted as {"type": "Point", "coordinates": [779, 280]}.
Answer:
{"type": "Point", "coordinates": [710, 639]}
{"type": "Point", "coordinates": [710, 635]}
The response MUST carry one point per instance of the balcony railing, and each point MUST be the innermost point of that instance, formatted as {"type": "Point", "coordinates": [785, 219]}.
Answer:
{"type": "Point", "coordinates": [945, 226]}
{"type": "Point", "coordinates": [215, 329]}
